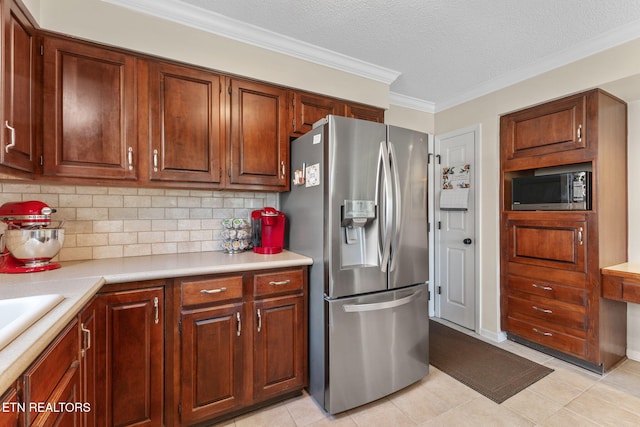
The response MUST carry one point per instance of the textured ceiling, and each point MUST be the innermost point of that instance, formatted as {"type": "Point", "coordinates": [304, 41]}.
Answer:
{"type": "Point", "coordinates": [445, 51]}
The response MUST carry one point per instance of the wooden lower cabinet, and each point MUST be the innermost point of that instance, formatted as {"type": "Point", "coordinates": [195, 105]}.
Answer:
{"type": "Point", "coordinates": [279, 346]}
{"type": "Point", "coordinates": [212, 362]}
{"type": "Point", "coordinates": [243, 341]}
{"type": "Point", "coordinates": [130, 351]}
{"type": "Point", "coordinates": [10, 415]}
{"type": "Point", "coordinates": [53, 381]}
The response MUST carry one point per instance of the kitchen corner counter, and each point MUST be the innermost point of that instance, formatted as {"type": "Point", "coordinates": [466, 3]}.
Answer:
{"type": "Point", "coordinates": [621, 282]}
{"type": "Point", "coordinates": [78, 282]}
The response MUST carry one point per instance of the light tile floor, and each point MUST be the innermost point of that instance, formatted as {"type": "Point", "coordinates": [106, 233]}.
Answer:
{"type": "Point", "coordinates": [568, 397]}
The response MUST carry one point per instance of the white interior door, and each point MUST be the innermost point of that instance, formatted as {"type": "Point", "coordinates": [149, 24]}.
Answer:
{"type": "Point", "coordinates": [455, 211]}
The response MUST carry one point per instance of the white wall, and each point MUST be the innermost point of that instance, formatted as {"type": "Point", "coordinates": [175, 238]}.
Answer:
{"type": "Point", "coordinates": [615, 70]}
{"type": "Point", "coordinates": [633, 310]}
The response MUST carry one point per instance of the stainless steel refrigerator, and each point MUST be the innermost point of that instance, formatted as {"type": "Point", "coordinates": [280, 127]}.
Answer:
{"type": "Point", "coordinates": [358, 207]}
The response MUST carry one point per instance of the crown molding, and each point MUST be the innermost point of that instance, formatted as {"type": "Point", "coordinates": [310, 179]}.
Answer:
{"type": "Point", "coordinates": [411, 102]}
{"type": "Point", "coordinates": [215, 23]}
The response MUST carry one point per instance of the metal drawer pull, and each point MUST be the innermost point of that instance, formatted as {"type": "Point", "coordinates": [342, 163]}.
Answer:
{"type": "Point", "coordinates": [546, 334]}
{"type": "Point", "coordinates": [579, 133]}
{"type": "Point", "coordinates": [544, 288]}
{"type": "Point", "coordinates": [239, 327]}
{"type": "Point", "coordinates": [88, 332]}
{"type": "Point", "coordinates": [155, 160]}
{"type": "Point", "coordinates": [282, 282]}
{"type": "Point", "coordinates": [157, 309]}
{"type": "Point", "coordinates": [212, 291]}
{"type": "Point", "coordinates": [130, 158]}
{"type": "Point", "coordinates": [580, 236]}
{"type": "Point", "coordinates": [259, 320]}
{"type": "Point", "coordinates": [13, 136]}
{"type": "Point", "coordinates": [541, 310]}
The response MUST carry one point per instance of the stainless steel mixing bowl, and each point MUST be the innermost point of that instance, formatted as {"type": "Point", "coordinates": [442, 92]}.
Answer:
{"type": "Point", "coordinates": [34, 247]}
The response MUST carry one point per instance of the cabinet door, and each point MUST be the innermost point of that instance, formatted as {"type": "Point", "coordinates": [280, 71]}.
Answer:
{"type": "Point", "coordinates": [557, 244]}
{"type": "Point", "coordinates": [88, 362]}
{"type": "Point", "coordinates": [18, 137]}
{"type": "Point", "coordinates": [308, 109]}
{"type": "Point", "coordinates": [549, 128]}
{"type": "Point", "coordinates": [53, 379]}
{"type": "Point", "coordinates": [131, 356]}
{"type": "Point", "coordinates": [10, 410]}
{"type": "Point", "coordinates": [279, 347]}
{"type": "Point", "coordinates": [89, 111]}
{"type": "Point", "coordinates": [184, 108]}
{"type": "Point", "coordinates": [212, 362]}
{"type": "Point", "coordinates": [259, 153]}
{"type": "Point", "coordinates": [364, 112]}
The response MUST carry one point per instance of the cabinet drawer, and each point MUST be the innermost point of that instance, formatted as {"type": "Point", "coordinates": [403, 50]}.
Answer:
{"type": "Point", "coordinates": [547, 337]}
{"type": "Point", "coordinates": [277, 282]}
{"type": "Point", "coordinates": [214, 290]}
{"type": "Point", "coordinates": [566, 315]}
{"type": "Point", "coordinates": [547, 289]}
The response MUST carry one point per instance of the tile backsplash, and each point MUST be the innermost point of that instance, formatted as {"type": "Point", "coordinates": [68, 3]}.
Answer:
{"type": "Point", "coordinates": [114, 222]}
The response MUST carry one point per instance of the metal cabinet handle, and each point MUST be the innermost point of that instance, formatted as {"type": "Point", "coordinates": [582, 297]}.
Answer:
{"type": "Point", "coordinates": [130, 158]}
{"type": "Point", "coordinates": [239, 326]}
{"type": "Point", "coordinates": [259, 320]}
{"type": "Point", "coordinates": [13, 136]}
{"type": "Point", "coordinates": [579, 133]}
{"type": "Point", "coordinates": [88, 340]}
{"type": "Point", "coordinates": [546, 334]}
{"type": "Point", "coordinates": [155, 160]}
{"type": "Point", "coordinates": [156, 307]}
{"type": "Point", "coordinates": [544, 288]}
{"type": "Point", "coordinates": [541, 310]}
{"type": "Point", "coordinates": [212, 291]}
{"type": "Point", "coordinates": [580, 236]}
{"type": "Point", "coordinates": [283, 168]}
{"type": "Point", "coordinates": [282, 282]}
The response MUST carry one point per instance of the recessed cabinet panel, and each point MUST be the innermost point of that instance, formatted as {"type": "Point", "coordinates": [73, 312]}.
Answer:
{"type": "Point", "coordinates": [18, 148]}
{"type": "Point", "coordinates": [553, 127]}
{"type": "Point", "coordinates": [89, 111]}
{"type": "Point", "coordinates": [555, 244]}
{"type": "Point", "coordinates": [259, 138]}
{"type": "Point", "coordinates": [184, 106]}
{"type": "Point", "coordinates": [212, 371]}
{"type": "Point", "coordinates": [309, 108]}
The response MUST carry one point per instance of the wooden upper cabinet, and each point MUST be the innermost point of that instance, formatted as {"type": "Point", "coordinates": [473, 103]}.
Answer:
{"type": "Point", "coordinates": [307, 108]}
{"type": "Point", "coordinates": [89, 111]}
{"type": "Point", "coordinates": [20, 95]}
{"type": "Point", "coordinates": [185, 131]}
{"type": "Point", "coordinates": [258, 136]}
{"type": "Point", "coordinates": [553, 127]}
{"type": "Point", "coordinates": [364, 112]}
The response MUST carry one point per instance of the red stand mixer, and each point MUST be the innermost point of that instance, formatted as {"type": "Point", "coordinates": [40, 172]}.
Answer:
{"type": "Point", "coordinates": [26, 244]}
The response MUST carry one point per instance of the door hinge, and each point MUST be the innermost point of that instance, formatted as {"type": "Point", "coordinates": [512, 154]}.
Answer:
{"type": "Point", "coordinates": [41, 160]}
{"type": "Point", "coordinates": [428, 295]}
{"type": "Point", "coordinates": [428, 227]}
{"type": "Point", "coordinates": [229, 89]}
{"type": "Point", "coordinates": [220, 176]}
{"type": "Point", "coordinates": [429, 158]}
{"type": "Point", "coordinates": [180, 325]}
{"type": "Point", "coordinates": [439, 225]}
{"type": "Point", "coordinates": [41, 50]}
{"type": "Point", "coordinates": [439, 290]}
{"type": "Point", "coordinates": [180, 409]}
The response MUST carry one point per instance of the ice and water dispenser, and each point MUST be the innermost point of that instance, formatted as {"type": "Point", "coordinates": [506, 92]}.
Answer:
{"type": "Point", "coordinates": [360, 240]}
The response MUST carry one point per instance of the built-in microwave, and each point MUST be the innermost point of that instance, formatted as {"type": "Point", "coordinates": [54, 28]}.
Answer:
{"type": "Point", "coordinates": [561, 191]}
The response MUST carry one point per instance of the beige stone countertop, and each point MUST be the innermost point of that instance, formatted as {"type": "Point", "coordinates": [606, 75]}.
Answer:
{"type": "Point", "coordinates": [627, 269]}
{"type": "Point", "coordinates": [78, 282]}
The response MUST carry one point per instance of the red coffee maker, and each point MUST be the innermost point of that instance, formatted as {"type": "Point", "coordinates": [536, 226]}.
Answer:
{"type": "Point", "coordinates": [267, 227]}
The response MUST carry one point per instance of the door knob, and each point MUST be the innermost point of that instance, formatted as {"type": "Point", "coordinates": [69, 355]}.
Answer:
{"type": "Point", "coordinates": [467, 241]}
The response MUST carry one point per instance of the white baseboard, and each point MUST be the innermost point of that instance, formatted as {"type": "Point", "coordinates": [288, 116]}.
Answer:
{"type": "Point", "coordinates": [497, 337]}
{"type": "Point", "coordinates": [633, 355]}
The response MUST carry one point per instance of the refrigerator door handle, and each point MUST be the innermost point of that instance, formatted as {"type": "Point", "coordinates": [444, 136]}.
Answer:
{"type": "Point", "coordinates": [397, 204]}
{"type": "Point", "coordinates": [388, 202]}
{"type": "Point", "coordinates": [357, 308]}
